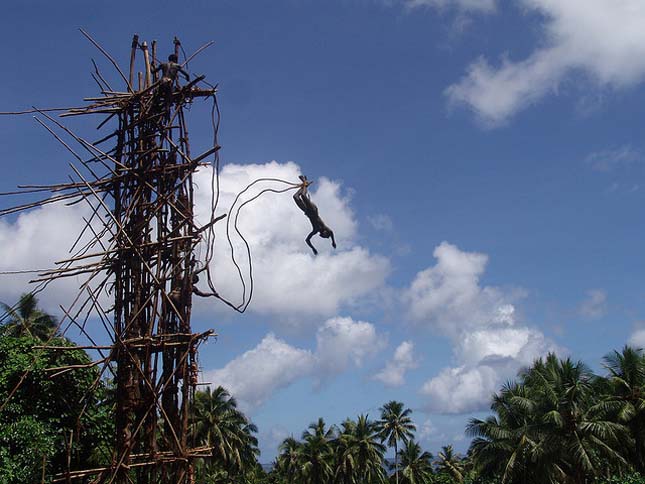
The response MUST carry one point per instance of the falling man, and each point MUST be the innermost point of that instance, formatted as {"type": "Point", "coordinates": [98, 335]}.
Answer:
{"type": "Point", "coordinates": [301, 197]}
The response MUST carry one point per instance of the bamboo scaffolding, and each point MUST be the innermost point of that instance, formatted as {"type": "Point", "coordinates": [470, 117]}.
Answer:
{"type": "Point", "coordinates": [136, 248]}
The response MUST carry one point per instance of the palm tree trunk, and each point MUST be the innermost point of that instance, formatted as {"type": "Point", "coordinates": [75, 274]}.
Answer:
{"type": "Point", "coordinates": [639, 448]}
{"type": "Point", "coordinates": [396, 462]}
{"type": "Point", "coordinates": [580, 477]}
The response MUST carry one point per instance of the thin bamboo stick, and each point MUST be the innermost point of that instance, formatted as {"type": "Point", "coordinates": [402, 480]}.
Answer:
{"type": "Point", "coordinates": [108, 56]}
{"type": "Point", "coordinates": [197, 52]}
{"type": "Point", "coordinates": [133, 53]}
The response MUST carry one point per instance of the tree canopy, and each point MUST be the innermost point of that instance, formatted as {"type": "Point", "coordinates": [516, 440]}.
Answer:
{"type": "Point", "coordinates": [557, 423]}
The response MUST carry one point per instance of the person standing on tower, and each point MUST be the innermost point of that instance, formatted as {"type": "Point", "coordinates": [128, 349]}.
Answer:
{"type": "Point", "coordinates": [169, 71]}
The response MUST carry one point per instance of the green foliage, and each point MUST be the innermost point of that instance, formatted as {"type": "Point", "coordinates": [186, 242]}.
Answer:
{"type": "Point", "coordinates": [315, 465]}
{"type": "Point", "coordinates": [630, 479]}
{"type": "Point", "coordinates": [624, 399]}
{"type": "Point", "coordinates": [415, 465]}
{"type": "Point", "coordinates": [219, 424]}
{"type": "Point", "coordinates": [560, 423]}
{"type": "Point", "coordinates": [477, 479]}
{"type": "Point", "coordinates": [442, 478]}
{"type": "Point", "coordinates": [358, 453]}
{"type": "Point", "coordinates": [395, 425]}
{"type": "Point", "coordinates": [450, 464]}
{"type": "Point", "coordinates": [19, 361]}
{"type": "Point", "coordinates": [24, 447]}
{"type": "Point", "coordinates": [25, 319]}
{"type": "Point", "coordinates": [41, 414]}
{"type": "Point", "coordinates": [351, 454]}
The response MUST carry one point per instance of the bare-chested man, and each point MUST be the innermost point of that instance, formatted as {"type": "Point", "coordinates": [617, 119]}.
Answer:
{"type": "Point", "coordinates": [301, 197]}
{"type": "Point", "coordinates": [169, 72]}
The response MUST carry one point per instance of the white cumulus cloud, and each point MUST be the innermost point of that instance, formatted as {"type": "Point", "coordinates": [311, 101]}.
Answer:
{"type": "Point", "coordinates": [341, 341]}
{"type": "Point", "coordinates": [35, 240]}
{"type": "Point", "coordinates": [253, 376]}
{"type": "Point", "coordinates": [461, 389]}
{"type": "Point", "coordinates": [449, 296]}
{"type": "Point", "coordinates": [602, 40]}
{"type": "Point", "coordinates": [495, 344]}
{"type": "Point", "coordinates": [289, 280]}
{"type": "Point", "coordinates": [488, 344]}
{"type": "Point", "coordinates": [273, 364]}
{"type": "Point", "coordinates": [404, 359]}
{"type": "Point", "coordinates": [489, 357]}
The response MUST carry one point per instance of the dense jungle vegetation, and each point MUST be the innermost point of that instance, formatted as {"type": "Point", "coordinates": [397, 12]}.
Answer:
{"type": "Point", "coordinates": [558, 422]}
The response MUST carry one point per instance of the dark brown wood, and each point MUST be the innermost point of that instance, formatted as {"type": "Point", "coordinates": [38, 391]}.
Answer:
{"type": "Point", "coordinates": [133, 54]}
{"type": "Point", "coordinates": [108, 56]}
{"type": "Point", "coordinates": [146, 58]}
{"type": "Point", "coordinates": [138, 247]}
{"type": "Point", "coordinates": [197, 52]}
{"type": "Point", "coordinates": [155, 61]}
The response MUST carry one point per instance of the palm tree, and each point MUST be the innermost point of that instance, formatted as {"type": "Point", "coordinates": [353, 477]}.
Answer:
{"type": "Point", "coordinates": [450, 464]}
{"type": "Point", "coordinates": [316, 454]}
{"type": "Point", "coordinates": [26, 319]}
{"type": "Point", "coordinates": [345, 463]}
{"type": "Point", "coordinates": [549, 428]}
{"type": "Point", "coordinates": [571, 425]}
{"type": "Point", "coordinates": [359, 454]}
{"type": "Point", "coordinates": [626, 397]}
{"type": "Point", "coordinates": [505, 444]}
{"type": "Point", "coordinates": [219, 424]}
{"type": "Point", "coordinates": [249, 451]}
{"type": "Point", "coordinates": [287, 461]}
{"type": "Point", "coordinates": [416, 466]}
{"type": "Point", "coordinates": [395, 424]}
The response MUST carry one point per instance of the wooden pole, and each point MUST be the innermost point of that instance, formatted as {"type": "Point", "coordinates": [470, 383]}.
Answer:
{"type": "Point", "coordinates": [133, 53]}
{"type": "Point", "coordinates": [143, 244]}
{"type": "Point", "coordinates": [154, 60]}
{"type": "Point", "coordinates": [177, 45]}
{"type": "Point", "coordinates": [146, 58]}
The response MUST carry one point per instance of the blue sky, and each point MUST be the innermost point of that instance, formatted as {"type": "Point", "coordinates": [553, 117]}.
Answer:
{"type": "Point", "coordinates": [481, 162]}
